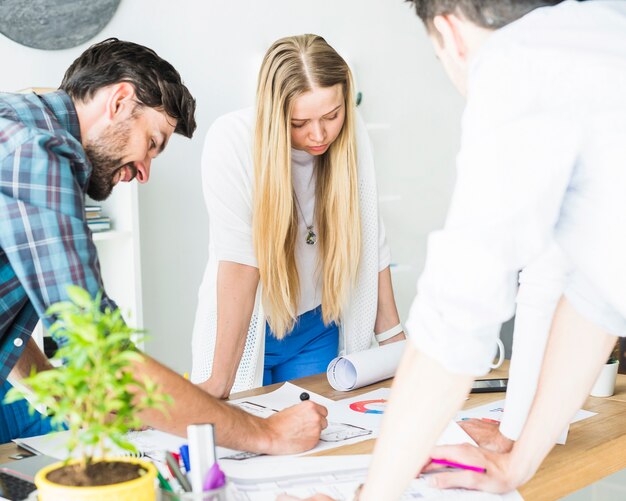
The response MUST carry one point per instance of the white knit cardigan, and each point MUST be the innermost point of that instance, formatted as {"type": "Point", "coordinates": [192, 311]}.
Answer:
{"type": "Point", "coordinates": [357, 325]}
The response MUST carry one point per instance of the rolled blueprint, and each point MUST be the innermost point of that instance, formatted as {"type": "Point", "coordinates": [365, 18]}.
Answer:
{"type": "Point", "coordinates": [364, 367]}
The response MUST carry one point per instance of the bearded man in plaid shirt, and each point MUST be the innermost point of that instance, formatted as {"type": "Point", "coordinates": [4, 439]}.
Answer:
{"type": "Point", "coordinates": [49, 159]}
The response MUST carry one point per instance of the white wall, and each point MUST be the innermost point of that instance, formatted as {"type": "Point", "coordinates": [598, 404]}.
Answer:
{"type": "Point", "coordinates": [217, 46]}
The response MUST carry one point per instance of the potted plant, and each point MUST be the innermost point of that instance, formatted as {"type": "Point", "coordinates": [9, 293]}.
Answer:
{"type": "Point", "coordinates": [605, 384]}
{"type": "Point", "coordinates": [95, 394]}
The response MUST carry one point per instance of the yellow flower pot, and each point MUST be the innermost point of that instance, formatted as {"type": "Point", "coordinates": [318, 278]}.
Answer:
{"type": "Point", "coordinates": [139, 489]}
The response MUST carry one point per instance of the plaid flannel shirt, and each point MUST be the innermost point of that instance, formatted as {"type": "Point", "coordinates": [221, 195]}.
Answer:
{"type": "Point", "coordinates": [45, 243]}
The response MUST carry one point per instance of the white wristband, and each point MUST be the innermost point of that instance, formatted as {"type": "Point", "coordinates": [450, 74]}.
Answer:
{"type": "Point", "coordinates": [388, 334]}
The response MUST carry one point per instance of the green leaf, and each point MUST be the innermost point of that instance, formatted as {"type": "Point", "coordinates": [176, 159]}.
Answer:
{"type": "Point", "coordinates": [124, 444]}
{"type": "Point", "coordinates": [13, 395]}
{"type": "Point", "coordinates": [131, 357]}
{"type": "Point", "coordinates": [60, 308]}
{"type": "Point", "coordinates": [79, 296]}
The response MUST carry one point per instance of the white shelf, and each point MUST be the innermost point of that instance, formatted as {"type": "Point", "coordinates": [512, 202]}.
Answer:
{"type": "Point", "coordinates": [119, 252]}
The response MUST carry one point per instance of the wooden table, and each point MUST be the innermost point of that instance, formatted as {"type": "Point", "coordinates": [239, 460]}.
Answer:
{"type": "Point", "coordinates": [596, 447]}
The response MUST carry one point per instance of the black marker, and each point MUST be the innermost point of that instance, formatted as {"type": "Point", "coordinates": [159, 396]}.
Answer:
{"type": "Point", "coordinates": [304, 396]}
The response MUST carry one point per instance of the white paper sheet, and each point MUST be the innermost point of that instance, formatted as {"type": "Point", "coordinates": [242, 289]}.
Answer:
{"type": "Point", "coordinates": [336, 476]}
{"type": "Point", "coordinates": [149, 443]}
{"type": "Point", "coordinates": [365, 367]}
{"type": "Point", "coordinates": [495, 411]}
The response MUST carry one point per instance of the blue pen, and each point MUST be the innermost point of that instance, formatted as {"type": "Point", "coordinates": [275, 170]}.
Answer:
{"type": "Point", "coordinates": [184, 454]}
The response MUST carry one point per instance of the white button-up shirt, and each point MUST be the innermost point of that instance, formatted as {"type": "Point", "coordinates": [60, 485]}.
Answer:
{"type": "Point", "coordinates": [543, 158]}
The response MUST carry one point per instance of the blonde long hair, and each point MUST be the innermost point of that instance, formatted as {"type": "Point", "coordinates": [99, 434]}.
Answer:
{"type": "Point", "coordinates": [291, 67]}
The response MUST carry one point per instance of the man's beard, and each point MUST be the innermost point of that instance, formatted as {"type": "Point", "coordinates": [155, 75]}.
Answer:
{"type": "Point", "coordinates": [102, 153]}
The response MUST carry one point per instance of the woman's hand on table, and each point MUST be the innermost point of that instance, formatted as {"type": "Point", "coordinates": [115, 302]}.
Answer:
{"type": "Point", "coordinates": [500, 476]}
{"type": "Point", "coordinates": [214, 388]}
{"type": "Point", "coordinates": [487, 435]}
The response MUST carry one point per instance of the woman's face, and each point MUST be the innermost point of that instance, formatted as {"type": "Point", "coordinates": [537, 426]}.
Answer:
{"type": "Point", "coordinates": [317, 117]}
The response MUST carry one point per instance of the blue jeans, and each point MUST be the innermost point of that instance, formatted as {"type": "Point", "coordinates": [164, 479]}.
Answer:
{"type": "Point", "coordinates": [306, 350]}
{"type": "Point", "coordinates": [16, 422]}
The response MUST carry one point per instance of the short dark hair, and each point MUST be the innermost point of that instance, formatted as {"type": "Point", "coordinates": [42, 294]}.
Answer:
{"type": "Point", "coordinates": [491, 14]}
{"type": "Point", "coordinates": [156, 82]}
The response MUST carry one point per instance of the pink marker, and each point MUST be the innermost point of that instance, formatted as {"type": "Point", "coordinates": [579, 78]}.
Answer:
{"type": "Point", "coordinates": [459, 465]}
{"type": "Point", "coordinates": [214, 478]}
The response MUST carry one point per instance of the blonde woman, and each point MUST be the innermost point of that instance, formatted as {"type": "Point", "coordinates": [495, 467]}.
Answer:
{"type": "Point", "coordinates": [298, 265]}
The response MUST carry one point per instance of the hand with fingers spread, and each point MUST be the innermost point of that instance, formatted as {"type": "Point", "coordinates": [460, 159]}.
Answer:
{"type": "Point", "coordinates": [499, 475]}
{"type": "Point", "coordinates": [487, 435]}
{"type": "Point", "coordinates": [296, 428]}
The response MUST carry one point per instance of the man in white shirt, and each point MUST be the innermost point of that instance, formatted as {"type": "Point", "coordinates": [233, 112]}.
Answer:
{"type": "Point", "coordinates": [543, 159]}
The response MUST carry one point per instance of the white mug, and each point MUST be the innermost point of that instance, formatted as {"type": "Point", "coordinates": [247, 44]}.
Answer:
{"type": "Point", "coordinates": [500, 354]}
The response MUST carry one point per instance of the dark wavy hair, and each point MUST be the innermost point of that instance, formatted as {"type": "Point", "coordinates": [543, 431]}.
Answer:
{"type": "Point", "coordinates": [491, 14]}
{"type": "Point", "coordinates": [157, 84]}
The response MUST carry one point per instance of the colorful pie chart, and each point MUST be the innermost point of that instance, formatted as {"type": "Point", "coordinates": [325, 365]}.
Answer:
{"type": "Point", "coordinates": [369, 406]}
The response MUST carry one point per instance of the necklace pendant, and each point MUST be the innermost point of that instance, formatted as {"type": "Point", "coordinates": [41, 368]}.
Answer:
{"type": "Point", "coordinates": [311, 237]}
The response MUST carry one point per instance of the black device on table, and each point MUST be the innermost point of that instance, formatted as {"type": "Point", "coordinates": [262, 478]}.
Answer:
{"type": "Point", "coordinates": [489, 385]}
{"type": "Point", "coordinates": [16, 478]}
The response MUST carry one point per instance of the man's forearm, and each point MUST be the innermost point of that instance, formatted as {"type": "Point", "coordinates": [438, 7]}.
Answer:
{"type": "Point", "coordinates": [295, 429]}
{"type": "Point", "coordinates": [423, 399]}
{"type": "Point", "coordinates": [575, 352]}
{"type": "Point", "coordinates": [234, 428]}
